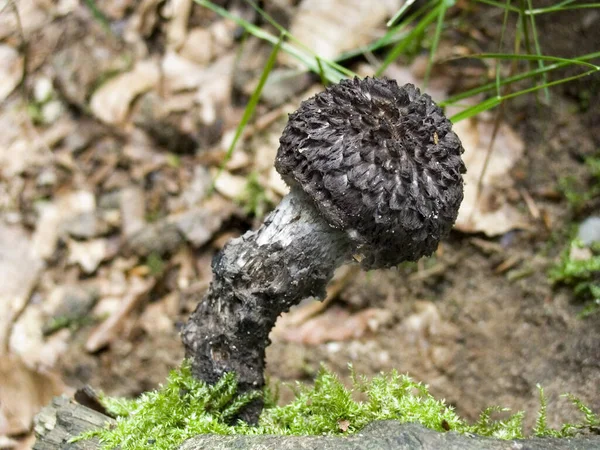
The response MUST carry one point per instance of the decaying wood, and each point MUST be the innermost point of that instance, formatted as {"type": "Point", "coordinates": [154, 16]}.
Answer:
{"type": "Point", "coordinates": [256, 278]}
{"type": "Point", "coordinates": [63, 420]}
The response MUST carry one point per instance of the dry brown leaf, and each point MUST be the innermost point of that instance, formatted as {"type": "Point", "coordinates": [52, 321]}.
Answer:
{"type": "Point", "coordinates": [489, 213]}
{"type": "Point", "coordinates": [52, 215]}
{"type": "Point", "coordinates": [330, 27]}
{"type": "Point", "coordinates": [343, 425]}
{"type": "Point", "coordinates": [182, 74]}
{"type": "Point", "coordinates": [21, 147]}
{"type": "Point", "coordinates": [426, 326]}
{"type": "Point", "coordinates": [111, 102]}
{"type": "Point", "coordinates": [11, 70]}
{"type": "Point", "coordinates": [158, 317]}
{"type": "Point", "coordinates": [108, 330]}
{"type": "Point", "coordinates": [144, 19]}
{"type": "Point", "coordinates": [88, 254]}
{"type": "Point", "coordinates": [20, 268]}
{"type": "Point", "coordinates": [31, 17]}
{"type": "Point", "coordinates": [23, 392]}
{"type": "Point", "coordinates": [133, 211]}
{"type": "Point", "coordinates": [336, 324]}
{"type": "Point", "coordinates": [28, 343]}
{"type": "Point", "coordinates": [179, 13]}
{"type": "Point", "coordinates": [228, 185]}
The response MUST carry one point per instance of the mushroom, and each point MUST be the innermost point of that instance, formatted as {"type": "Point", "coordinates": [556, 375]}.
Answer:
{"type": "Point", "coordinates": [375, 176]}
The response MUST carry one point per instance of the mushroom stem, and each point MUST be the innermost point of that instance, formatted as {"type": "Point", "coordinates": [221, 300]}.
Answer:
{"type": "Point", "coordinates": [256, 277]}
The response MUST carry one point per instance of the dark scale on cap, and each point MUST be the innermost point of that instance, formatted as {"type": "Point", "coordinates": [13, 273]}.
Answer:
{"type": "Point", "coordinates": [381, 163]}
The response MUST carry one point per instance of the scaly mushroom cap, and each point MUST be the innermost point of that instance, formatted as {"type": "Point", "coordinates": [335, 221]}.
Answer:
{"type": "Point", "coordinates": [381, 163]}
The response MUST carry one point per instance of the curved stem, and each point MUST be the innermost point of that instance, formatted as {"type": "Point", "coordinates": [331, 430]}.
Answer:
{"type": "Point", "coordinates": [255, 278]}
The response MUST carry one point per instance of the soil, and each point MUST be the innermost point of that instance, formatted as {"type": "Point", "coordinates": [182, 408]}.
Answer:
{"type": "Point", "coordinates": [480, 322]}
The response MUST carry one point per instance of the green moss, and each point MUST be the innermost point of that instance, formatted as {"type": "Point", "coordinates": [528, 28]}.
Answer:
{"type": "Point", "coordinates": [580, 273]}
{"type": "Point", "coordinates": [581, 191]}
{"type": "Point", "coordinates": [185, 407]}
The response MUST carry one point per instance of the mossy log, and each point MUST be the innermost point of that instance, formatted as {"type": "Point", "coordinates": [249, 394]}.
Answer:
{"type": "Point", "coordinates": [63, 419]}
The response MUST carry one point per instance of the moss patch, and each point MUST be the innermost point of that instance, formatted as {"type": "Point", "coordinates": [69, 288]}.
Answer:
{"type": "Point", "coordinates": [185, 407]}
{"type": "Point", "coordinates": [579, 268]}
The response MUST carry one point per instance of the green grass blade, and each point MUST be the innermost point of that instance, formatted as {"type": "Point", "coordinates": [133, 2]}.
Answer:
{"type": "Point", "coordinates": [308, 60]}
{"type": "Point", "coordinates": [522, 76]}
{"type": "Point", "coordinates": [500, 45]}
{"type": "Point", "coordinates": [98, 15]}
{"type": "Point", "coordinates": [400, 12]}
{"type": "Point", "coordinates": [252, 103]}
{"type": "Point", "coordinates": [513, 56]}
{"type": "Point", "coordinates": [537, 46]}
{"type": "Point", "coordinates": [291, 37]}
{"type": "Point", "coordinates": [565, 5]}
{"type": "Point", "coordinates": [495, 101]}
{"type": "Point", "coordinates": [476, 109]}
{"type": "Point", "coordinates": [401, 46]}
{"type": "Point", "coordinates": [324, 81]}
{"type": "Point", "coordinates": [444, 5]}
{"type": "Point", "coordinates": [392, 36]}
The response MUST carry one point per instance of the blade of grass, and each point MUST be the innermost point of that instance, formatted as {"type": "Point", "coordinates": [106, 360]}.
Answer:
{"type": "Point", "coordinates": [98, 15]}
{"type": "Point", "coordinates": [392, 36]}
{"type": "Point", "coordinates": [500, 45]}
{"type": "Point", "coordinates": [522, 76]}
{"type": "Point", "coordinates": [495, 101]}
{"type": "Point", "coordinates": [251, 106]}
{"type": "Point", "coordinates": [444, 5]}
{"type": "Point", "coordinates": [292, 38]}
{"type": "Point", "coordinates": [538, 50]}
{"type": "Point", "coordinates": [513, 56]}
{"type": "Point", "coordinates": [401, 46]}
{"type": "Point", "coordinates": [400, 12]}
{"type": "Point", "coordinates": [549, 9]}
{"type": "Point", "coordinates": [330, 70]}
{"type": "Point", "coordinates": [324, 81]}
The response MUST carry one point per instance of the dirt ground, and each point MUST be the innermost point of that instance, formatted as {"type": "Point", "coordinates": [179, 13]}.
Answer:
{"type": "Point", "coordinates": [479, 322]}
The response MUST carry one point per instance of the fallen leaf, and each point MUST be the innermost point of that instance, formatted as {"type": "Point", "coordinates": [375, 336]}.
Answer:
{"type": "Point", "coordinates": [87, 254]}
{"type": "Point", "coordinates": [31, 17]}
{"type": "Point", "coordinates": [52, 216]}
{"type": "Point", "coordinates": [353, 25]}
{"type": "Point", "coordinates": [179, 13]}
{"type": "Point", "coordinates": [111, 102]}
{"type": "Point", "coordinates": [133, 212]}
{"type": "Point", "coordinates": [108, 331]}
{"type": "Point", "coordinates": [199, 225]}
{"type": "Point", "coordinates": [11, 70]}
{"type": "Point", "coordinates": [23, 392]}
{"type": "Point", "coordinates": [489, 210]}
{"type": "Point", "coordinates": [159, 316]}
{"type": "Point", "coordinates": [228, 185]}
{"type": "Point", "coordinates": [336, 324]}
{"type": "Point", "coordinates": [20, 268]}
{"type": "Point", "coordinates": [28, 343]}
{"type": "Point", "coordinates": [144, 19]}
{"type": "Point", "coordinates": [343, 425]}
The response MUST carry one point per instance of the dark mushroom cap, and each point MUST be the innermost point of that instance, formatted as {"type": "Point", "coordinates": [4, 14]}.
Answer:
{"type": "Point", "coordinates": [381, 163]}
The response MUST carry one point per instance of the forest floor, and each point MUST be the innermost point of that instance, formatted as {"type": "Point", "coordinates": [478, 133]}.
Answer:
{"type": "Point", "coordinates": [108, 150]}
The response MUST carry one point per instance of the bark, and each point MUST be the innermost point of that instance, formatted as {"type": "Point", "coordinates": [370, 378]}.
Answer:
{"type": "Point", "coordinates": [256, 278]}
{"type": "Point", "coordinates": [63, 420]}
